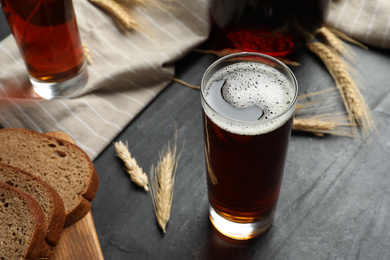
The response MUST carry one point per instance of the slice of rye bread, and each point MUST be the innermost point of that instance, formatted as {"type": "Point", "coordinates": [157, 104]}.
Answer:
{"type": "Point", "coordinates": [22, 229]}
{"type": "Point", "coordinates": [61, 164]}
{"type": "Point", "coordinates": [46, 196]}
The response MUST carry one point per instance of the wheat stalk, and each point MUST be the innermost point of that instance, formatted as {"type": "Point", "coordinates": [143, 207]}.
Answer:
{"type": "Point", "coordinates": [186, 84]}
{"type": "Point", "coordinates": [136, 173]}
{"type": "Point", "coordinates": [334, 123]}
{"type": "Point", "coordinates": [149, 4]}
{"type": "Point", "coordinates": [119, 13]}
{"type": "Point", "coordinates": [335, 42]}
{"type": "Point", "coordinates": [345, 37]}
{"type": "Point", "coordinates": [323, 100]}
{"type": "Point", "coordinates": [354, 102]}
{"type": "Point", "coordinates": [162, 184]}
{"type": "Point", "coordinates": [314, 126]}
{"type": "Point", "coordinates": [316, 113]}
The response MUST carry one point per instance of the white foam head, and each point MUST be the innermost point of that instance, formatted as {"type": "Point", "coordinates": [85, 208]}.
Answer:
{"type": "Point", "coordinates": [251, 84]}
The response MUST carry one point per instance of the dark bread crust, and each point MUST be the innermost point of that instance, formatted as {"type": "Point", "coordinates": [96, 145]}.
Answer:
{"type": "Point", "coordinates": [57, 220]}
{"type": "Point", "coordinates": [39, 232]}
{"type": "Point", "coordinates": [20, 180]}
{"type": "Point", "coordinates": [81, 210]}
{"type": "Point", "coordinates": [46, 252]}
{"type": "Point", "coordinates": [56, 225]}
{"type": "Point", "coordinates": [85, 204]}
{"type": "Point", "coordinates": [93, 185]}
{"type": "Point", "coordinates": [78, 211]}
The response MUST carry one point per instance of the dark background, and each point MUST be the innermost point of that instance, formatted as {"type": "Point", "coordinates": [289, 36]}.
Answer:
{"type": "Point", "coordinates": [334, 201]}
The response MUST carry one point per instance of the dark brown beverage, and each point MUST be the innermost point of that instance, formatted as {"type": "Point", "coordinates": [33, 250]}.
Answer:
{"type": "Point", "coordinates": [47, 36]}
{"type": "Point", "coordinates": [247, 114]}
{"type": "Point", "coordinates": [274, 27]}
{"type": "Point", "coordinates": [247, 191]}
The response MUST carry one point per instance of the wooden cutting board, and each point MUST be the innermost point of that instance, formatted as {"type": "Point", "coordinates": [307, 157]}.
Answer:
{"type": "Point", "coordinates": [78, 241]}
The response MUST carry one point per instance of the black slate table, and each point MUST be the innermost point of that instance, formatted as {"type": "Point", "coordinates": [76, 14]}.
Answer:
{"type": "Point", "coordinates": [334, 201]}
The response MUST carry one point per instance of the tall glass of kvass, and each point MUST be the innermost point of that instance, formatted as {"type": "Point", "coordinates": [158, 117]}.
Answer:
{"type": "Point", "coordinates": [248, 102]}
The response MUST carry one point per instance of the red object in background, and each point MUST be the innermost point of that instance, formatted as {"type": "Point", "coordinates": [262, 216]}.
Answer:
{"type": "Point", "coordinates": [273, 27]}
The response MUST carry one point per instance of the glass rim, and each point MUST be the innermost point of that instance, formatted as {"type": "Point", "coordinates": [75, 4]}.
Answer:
{"type": "Point", "coordinates": [249, 54]}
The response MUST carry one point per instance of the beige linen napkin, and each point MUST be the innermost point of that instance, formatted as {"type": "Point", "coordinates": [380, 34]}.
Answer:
{"type": "Point", "coordinates": [367, 21]}
{"type": "Point", "coordinates": [128, 71]}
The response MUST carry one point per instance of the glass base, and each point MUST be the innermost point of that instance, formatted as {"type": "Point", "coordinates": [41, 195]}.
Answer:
{"type": "Point", "coordinates": [239, 231]}
{"type": "Point", "coordinates": [62, 89]}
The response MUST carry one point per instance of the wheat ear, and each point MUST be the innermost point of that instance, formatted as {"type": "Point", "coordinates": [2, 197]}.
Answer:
{"type": "Point", "coordinates": [335, 42]}
{"type": "Point", "coordinates": [162, 184]}
{"type": "Point", "coordinates": [136, 173]}
{"type": "Point", "coordinates": [119, 13]}
{"type": "Point", "coordinates": [353, 99]}
{"type": "Point", "coordinates": [314, 126]}
{"type": "Point", "coordinates": [335, 124]}
{"type": "Point", "coordinates": [316, 113]}
{"type": "Point", "coordinates": [87, 54]}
